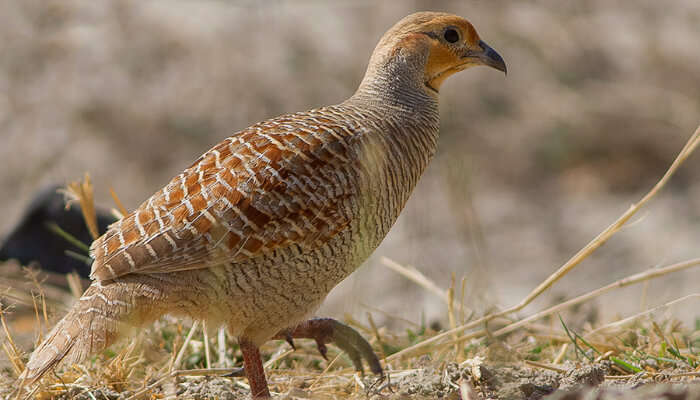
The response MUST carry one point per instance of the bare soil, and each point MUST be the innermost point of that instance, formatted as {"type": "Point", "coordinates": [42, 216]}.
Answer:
{"type": "Point", "coordinates": [497, 381]}
{"type": "Point", "coordinates": [518, 382]}
{"type": "Point", "coordinates": [502, 382]}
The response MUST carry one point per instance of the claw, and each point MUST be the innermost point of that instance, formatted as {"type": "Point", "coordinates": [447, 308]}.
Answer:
{"type": "Point", "coordinates": [288, 337]}
{"type": "Point", "coordinates": [322, 349]}
{"type": "Point", "coordinates": [350, 341]}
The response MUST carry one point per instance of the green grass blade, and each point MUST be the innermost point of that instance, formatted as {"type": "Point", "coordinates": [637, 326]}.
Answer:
{"type": "Point", "coordinates": [80, 257]}
{"type": "Point", "coordinates": [53, 227]}
{"type": "Point", "coordinates": [625, 365]}
{"type": "Point", "coordinates": [573, 340]}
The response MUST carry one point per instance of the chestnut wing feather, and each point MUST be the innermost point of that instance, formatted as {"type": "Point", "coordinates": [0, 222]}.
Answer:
{"type": "Point", "coordinates": [263, 188]}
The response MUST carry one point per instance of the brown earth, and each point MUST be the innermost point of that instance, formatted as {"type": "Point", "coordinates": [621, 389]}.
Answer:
{"type": "Point", "coordinates": [496, 381]}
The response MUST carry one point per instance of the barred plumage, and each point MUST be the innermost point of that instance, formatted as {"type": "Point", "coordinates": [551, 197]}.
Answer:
{"type": "Point", "coordinates": [278, 182]}
{"type": "Point", "coordinates": [261, 227]}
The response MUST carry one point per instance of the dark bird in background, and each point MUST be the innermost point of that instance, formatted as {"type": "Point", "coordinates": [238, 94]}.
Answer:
{"type": "Point", "coordinates": [32, 241]}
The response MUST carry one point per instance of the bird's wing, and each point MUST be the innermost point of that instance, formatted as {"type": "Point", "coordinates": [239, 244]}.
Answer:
{"type": "Point", "coordinates": [281, 182]}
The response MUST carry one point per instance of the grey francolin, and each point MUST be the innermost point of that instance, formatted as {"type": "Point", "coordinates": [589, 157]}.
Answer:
{"type": "Point", "coordinates": [261, 227]}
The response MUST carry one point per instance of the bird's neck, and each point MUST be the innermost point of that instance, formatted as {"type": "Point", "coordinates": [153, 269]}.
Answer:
{"type": "Point", "coordinates": [397, 83]}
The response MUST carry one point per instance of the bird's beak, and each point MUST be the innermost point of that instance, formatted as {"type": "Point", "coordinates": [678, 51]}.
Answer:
{"type": "Point", "coordinates": [487, 56]}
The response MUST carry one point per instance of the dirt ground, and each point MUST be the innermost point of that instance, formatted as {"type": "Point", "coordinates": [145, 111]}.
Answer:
{"type": "Point", "coordinates": [498, 382]}
{"type": "Point", "coordinates": [516, 382]}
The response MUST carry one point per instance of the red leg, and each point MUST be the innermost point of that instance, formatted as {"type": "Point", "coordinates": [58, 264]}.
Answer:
{"type": "Point", "coordinates": [254, 369]}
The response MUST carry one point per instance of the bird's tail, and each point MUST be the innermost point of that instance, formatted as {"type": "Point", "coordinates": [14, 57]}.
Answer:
{"type": "Point", "coordinates": [93, 323]}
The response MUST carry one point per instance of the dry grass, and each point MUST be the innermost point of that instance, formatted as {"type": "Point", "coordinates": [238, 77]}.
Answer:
{"type": "Point", "coordinates": [170, 358]}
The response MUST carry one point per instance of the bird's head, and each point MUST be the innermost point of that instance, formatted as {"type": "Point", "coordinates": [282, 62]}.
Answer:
{"type": "Point", "coordinates": [435, 45]}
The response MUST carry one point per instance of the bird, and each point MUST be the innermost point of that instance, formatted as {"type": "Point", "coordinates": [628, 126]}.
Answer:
{"type": "Point", "coordinates": [258, 230]}
{"type": "Point", "coordinates": [31, 241]}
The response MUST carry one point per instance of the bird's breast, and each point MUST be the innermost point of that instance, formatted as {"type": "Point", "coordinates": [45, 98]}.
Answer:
{"type": "Point", "coordinates": [392, 153]}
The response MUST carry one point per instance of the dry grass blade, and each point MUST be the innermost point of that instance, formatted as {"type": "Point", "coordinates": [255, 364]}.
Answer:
{"type": "Point", "coordinates": [117, 202]}
{"type": "Point", "coordinates": [221, 347]}
{"type": "Point", "coordinates": [452, 319]}
{"type": "Point", "coordinates": [33, 276]}
{"type": "Point", "coordinates": [202, 372]}
{"type": "Point", "coordinates": [631, 318]}
{"type": "Point", "coordinates": [9, 346]}
{"type": "Point", "coordinates": [685, 374]}
{"type": "Point", "coordinates": [74, 284]}
{"type": "Point", "coordinates": [604, 356]}
{"type": "Point", "coordinates": [205, 338]}
{"type": "Point", "coordinates": [630, 280]}
{"type": "Point", "coordinates": [586, 251]}
{"type": "Point", "coordinates": [417, 277]}
{"type": "Point", "coordinates": [545, 366]}
{"type": "Point", "coordinates": [150, 387]}
{"type": "Point", "coordinates": [83, 193]}
{"type": "Point", "coordinates": [561, 354]}
{"type": "Point", "coordinates": [181, 353]}
{"type": "Point", "coordinates": [277, 356]}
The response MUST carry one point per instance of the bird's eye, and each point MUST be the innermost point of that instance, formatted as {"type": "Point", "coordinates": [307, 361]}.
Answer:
{"type": "Point", "coordinates": [451, 35]}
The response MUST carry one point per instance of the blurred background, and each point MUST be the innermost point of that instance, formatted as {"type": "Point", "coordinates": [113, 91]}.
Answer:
{"type": "Point", "coordinates": [599, 98]}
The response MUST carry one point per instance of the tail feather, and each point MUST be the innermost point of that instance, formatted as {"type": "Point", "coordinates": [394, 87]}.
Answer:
{"type": "Point", "coordinates": [91, 325]}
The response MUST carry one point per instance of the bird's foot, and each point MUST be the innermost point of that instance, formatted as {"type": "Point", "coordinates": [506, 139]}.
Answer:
{"type": "Point", "coordinates": [327, 330]}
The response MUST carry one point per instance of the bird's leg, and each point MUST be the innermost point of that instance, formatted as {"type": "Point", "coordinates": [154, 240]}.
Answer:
{"type": "Point", "coordinates": [326, 330]}
{"type": "Point", "coordinates": [254, 369]}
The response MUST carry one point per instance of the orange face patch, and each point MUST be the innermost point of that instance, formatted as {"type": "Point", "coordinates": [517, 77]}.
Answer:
{"type": "Point", "coordinates": [440, 65]}
{"type": "Point", "coordinates": [445, 59]}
